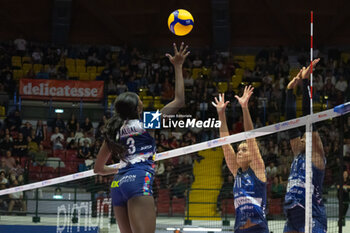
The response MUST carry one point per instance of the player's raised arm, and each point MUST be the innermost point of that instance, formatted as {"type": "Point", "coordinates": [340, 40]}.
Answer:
{"type": "Point", "coordinates": [177, 60]}
{"type": "Point", "coordinates": [317, 146]}
{"type": "Point", "coordinates": [229, 153]}
{"type": "Point", "coordinates": [257, 163]}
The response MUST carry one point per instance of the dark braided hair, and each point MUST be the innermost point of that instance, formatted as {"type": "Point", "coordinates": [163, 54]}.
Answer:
{"type": "Point", "coordinates": [125, 107]}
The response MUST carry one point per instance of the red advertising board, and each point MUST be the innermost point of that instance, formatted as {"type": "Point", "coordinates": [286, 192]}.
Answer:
{"type": "Point", "coordinates": [61, 90]}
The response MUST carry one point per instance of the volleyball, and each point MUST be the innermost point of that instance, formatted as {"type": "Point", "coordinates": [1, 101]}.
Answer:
{"type": "Point", "coordinates": [180, 22]}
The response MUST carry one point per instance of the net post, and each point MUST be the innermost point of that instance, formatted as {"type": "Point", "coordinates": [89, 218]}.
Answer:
{"type": "Point", "coordinates": [187, 219]}
{"type": "Point", "coordinates": [36, 218]}
{"type": "Point", "coordinates": [341, 179]}
{"type": "Point", "coordinates": [308, 154]}
{"type": "Point", "coordinates": [75, 218]}
{"type": "Point", "coordinates": [308, 177]}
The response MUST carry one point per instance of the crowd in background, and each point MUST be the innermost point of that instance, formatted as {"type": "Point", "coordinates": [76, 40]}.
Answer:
{"type": "Point", "coordinates": [130, 69]}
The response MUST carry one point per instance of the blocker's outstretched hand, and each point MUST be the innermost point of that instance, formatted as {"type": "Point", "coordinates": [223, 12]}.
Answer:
{"type": "Point", "coordinates": [179, 55]}
{"type": "Point", "coordinates": [306, 71]}
{"type": "Point", "coordinates": [244, 99]}
{"type": "Point", "coordinates": [220, 104]}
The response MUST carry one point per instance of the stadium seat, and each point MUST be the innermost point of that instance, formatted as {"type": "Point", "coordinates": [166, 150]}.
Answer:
{"type": "Point", "coordinates": [178, 205]}
{"type": "Point", "coordinates": [17, 74]}
{"type": "Point", "coordinates": [37, 67]}
{"type": "Point", "coordinates": [91, 69]}
{"type": "Point", "coordinates": [93, 76]}
{"type": "Point", "coordinates": [275, 206]}
{"type": "Point", "coordinates": [70, 62]}
{"type": "Point", "coordinates": [71, 155]}
{"type": "Point", "coordinates": [60, 154]}
{"type": "Point", "coordinates": [73, 74]}
{"type": "Point", "coordinates": [227, 206]}
{"type": "Point", "coordinates": [71, 68]}
{"type": "Point", "coordinates": [239, 71]}
{"type": "Point", "coordinates": [80, 62]}
{"type": "Point", "coordinates": [80, 69]}
{"type": "Point", "coordinates": [84, 76]}
{"type": "Point", "coordinates": [100, 69]}
{"type": "Point", "coordinates": [196, 73]}
{"type": "Point", "coordinates": [16, 59]}
{"type": "Point", "coordinates": [163, 201]}
{"type": "Point", "coordinates": [26, 67]}
{"type": "Point", "coordinates": [222, 87]}
{"type": "Point", "coordinates": [26, 59]}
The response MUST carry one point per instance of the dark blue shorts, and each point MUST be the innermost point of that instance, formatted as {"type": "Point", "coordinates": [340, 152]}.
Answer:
{"type": "Point", "coordinates": [131, 184]}
{"type": "Point", "coordinates": [296, 221]}
{"type": "Point", "coordinates": [253, 229]}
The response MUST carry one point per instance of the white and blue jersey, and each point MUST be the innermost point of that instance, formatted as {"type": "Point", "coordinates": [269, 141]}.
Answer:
{"type": "Point", "coordinates": [141, 147]}
{"type": "Point", "coordinates": [295, 196]}
{"type": "Point", "coordinates": [249, 199]}
{"type": "Point", "coordinates": [135, 175]}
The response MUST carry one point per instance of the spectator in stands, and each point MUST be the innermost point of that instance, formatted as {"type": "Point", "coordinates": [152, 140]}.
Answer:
{"type": "Point", "coordinates": [3, 166]}
{"type": "Point", "coordinates": [10, 162]}
{"type": "Point", "coordinates": [271, 170]}
{"type": "Point", "coordinates": [93, 60]}
{"type": "Point", "coordinates": [26, 129]}
{"type": "Point", "coordinates": [21, 46]}
{"type": "Point", "coordinates": [70, 142]}
{"type": "Point", "coordinates": [52, 71]}
{"type": "Point", "coordinates": [72, 124]}
{"type": "Point", "coordinates": [37, 56]}
{"type": "Point", "coordinates": [96, 148]}
{"type": "Point", "coordinates": [58, 122]}
{"type": "Point", "coordinates": [277, 188]}
{"type": "Point", "coordinates": [87, 126]}
{"type": "Point", "coordinates": [57, 139]}
{"type": "Point", "coordinates": [132, 84]}
{"type": "Point", "coordinates": [178, 189]}
{"type": "Point", "coordinates": [62, 71]}
{"type": "Point", "coordinates": [17, 172]}
{"type": "Point", "coordinates": [84, 150]}
{"type": "Point", "coordinates": [14, 121]}
{"type": "Point", "coordinates": [85, 138]}
{"type": "Point", "coordinates": [40, 132]}
{"type": "Point", "coordinates": [20, 146]}
{"type": "Point", "coordinates": [111, 85]}
{"type": "Point", "coordinates": [3, 180]}
{"type": "Point", "coordinates": [121, 87]}
{"type": "Point", "coordinates": [32, 145]}
{"type": "Point", "coordinates": [17, 199]}
{"type": "Point", "coordinates": [341, 84]}
{"type": "Point", "coordinates": [346, 195]}
{"type": "Point", "coordinates": [39, 156]}
{"type": "Point", "coordinates": [6, 144]}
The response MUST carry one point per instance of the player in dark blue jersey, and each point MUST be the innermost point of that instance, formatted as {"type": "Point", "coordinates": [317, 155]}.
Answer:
{"type": "Point", "coordinates": [294, 204]}
{"type": "Point", "coordinates": [128, 141]}
{"type": "Point", "coordinates": [248, 168]}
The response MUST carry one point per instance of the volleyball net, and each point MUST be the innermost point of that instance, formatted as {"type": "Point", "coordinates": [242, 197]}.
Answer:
{"type": "Point", "coordinates": [193, 186]}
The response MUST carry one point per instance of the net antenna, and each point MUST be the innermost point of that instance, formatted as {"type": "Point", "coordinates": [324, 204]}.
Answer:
{"type": "Point", "coordinates": [308, 165]}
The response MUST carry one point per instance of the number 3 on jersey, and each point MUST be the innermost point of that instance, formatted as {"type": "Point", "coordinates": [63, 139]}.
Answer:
{"type": "Point", "coordinates": [131, 143]}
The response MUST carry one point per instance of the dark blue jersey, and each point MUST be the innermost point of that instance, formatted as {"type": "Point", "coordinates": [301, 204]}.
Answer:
{"type": "Point", "coordinates": [249, 198]}
{"type": "Point", "coordinates": [295, 195]}
{"type": "Point", "coordinates": [140, 145]}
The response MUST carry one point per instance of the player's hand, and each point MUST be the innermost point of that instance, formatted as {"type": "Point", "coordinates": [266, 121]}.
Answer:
{"type": "Point", "coordinates": [244, 99]}
{"type": "Point", "coordinates": [220, 104]}
{"type": "Point", "coordinates": [295, 80]}
{"type": "Point", "coordinates": [179, 55]}
{"type": "Point", "coordinates": [306, 71]}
